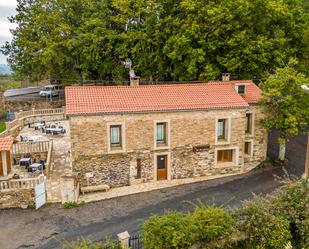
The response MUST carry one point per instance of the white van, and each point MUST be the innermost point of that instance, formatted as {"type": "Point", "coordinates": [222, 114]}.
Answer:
{"type": "Point", "coordinates": [50, 91]}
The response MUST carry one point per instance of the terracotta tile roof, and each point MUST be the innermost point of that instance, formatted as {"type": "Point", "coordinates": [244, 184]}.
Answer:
{"type": "Point", "coordinates": [253, 92]}
{"type": "Point", "coordinates": [6, 143]}
{"type": "Point", "coordinates": [130, 99]}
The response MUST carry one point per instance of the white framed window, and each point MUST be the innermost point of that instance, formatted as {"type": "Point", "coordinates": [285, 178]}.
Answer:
{"type": "Point", "coordinates": [248, 148]}
{"type": "Point", "coordinates": [223, 130]}
{"type": "Point", "coordinates": [115, 137]}
{"type": "Point", "coordinates": [241, 88]}
{"type": "Point", "coordinates": [161, 134]}
{"type": "Point", "coordinates": [249, 124]}
{"type": "Point", "coordinates": [226, 157]}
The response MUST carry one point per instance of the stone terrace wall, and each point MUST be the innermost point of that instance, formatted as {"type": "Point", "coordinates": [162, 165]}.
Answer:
{"type": "Point", "coordinates": [29, 105]}
{"type": "Point", "coordinates": [187, 129]}
{"type": "Point", "coordinates": [17, 197]}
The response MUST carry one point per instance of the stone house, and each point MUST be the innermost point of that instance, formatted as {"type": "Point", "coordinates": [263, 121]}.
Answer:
{"type": "Point", "coordinates": [122, 135]}
{"type": "Point", "coordinates": [6, 144]}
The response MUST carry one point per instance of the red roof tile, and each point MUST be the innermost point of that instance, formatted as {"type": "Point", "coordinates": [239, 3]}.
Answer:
{"type": "Point", "coordinates": [6, 143]}
{"type": "Point", "coordinates": [127, 99]}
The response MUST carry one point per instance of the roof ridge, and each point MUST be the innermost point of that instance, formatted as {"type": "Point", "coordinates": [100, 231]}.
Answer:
{"type": "Point", "coordinates": [162, 85]}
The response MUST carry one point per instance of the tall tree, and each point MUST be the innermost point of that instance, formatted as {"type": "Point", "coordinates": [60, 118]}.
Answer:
{"type": "Point", "coordinates": [286, 104]}
{"type": "Point", "coordinates": [166, 39]}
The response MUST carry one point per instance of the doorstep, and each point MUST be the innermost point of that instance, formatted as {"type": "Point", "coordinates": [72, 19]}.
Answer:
{"type": "Point", "coordinates": [146, 187]}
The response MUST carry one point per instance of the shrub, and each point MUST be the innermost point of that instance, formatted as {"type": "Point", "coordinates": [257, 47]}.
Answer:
{"type": "Point", "coordinates": [88, 244]}
{"type": "Point", "coordinates": [210, 224]}
{"type": "Point", "coordinates": [292, 203]}
{"type": "Point", "coordinates": [2, 126]}
{"type": "Point", "coordinates": [262, 229]}
{"type": "Point", "coordinates": [169, 231]}
{"type": "Point", "coordinates": [69, 205]}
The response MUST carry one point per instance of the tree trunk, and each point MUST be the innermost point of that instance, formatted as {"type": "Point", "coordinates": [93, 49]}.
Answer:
{"type": "Point", "coordinates": [282, 149]}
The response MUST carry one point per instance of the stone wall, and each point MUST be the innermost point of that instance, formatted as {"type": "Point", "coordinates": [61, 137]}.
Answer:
{"type": "Point", "coordinates": [187, 130]}
{"type": "Point", "coordinates": [27, 105]}
{"type": "Point", "coordinates": [16, 198]}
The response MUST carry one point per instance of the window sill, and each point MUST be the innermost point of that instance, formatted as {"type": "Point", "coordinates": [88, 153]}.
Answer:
{"type": "Point", "coordinates": [161, 147]}
{"type": "Point", "coordinates": [115, 150]}
{"type": "Point", "coordinates": [226, 165]}
{"type": "Point", "coordinates": [222, 142]}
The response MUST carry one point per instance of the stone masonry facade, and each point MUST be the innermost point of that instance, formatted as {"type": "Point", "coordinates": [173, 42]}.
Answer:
{"type": "Point", "coordinates": [16, 198]}
{"type": "Point", "coordinates": [95, 165]}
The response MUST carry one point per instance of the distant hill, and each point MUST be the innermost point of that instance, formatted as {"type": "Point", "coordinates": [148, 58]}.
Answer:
{"type": "Point", "coordinates": [5, 69]}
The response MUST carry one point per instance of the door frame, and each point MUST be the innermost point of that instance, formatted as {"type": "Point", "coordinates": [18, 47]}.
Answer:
{"type": "Point", "coordinates": [168, 165]}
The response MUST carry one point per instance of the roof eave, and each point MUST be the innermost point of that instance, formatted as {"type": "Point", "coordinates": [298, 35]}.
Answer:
{"type": "Point", "coordinates": [154, 111]}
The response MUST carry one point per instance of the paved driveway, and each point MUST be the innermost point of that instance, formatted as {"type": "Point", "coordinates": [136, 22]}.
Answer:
{"type": "Point", "coordinates": [47, 227]}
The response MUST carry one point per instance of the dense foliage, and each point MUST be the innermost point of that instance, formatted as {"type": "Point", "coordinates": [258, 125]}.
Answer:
{"type": "Point", "coordinates": [286, 103]}
{"type": "Point", "coordinates": [166, 39]}
{"type": "Point", "coordinates": [88, 244]}
{"type": "Point", "coordinates": [271, 222]}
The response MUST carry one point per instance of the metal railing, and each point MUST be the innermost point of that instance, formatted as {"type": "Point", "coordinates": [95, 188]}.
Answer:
{"type": "Point", "coordinates": [136, 241]}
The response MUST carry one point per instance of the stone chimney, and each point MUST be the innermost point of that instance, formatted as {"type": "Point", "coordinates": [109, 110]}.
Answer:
{"type": "Point", "coordinates": [134, 81]}
{"type": "Point", "coordinates": [226, 76]}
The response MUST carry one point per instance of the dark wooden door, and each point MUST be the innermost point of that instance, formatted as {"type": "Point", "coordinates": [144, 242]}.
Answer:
{"type": "Point", "coordinates": [8, 162]}
{"type": "Point", "coordinates": [138, 169]}
{"type": "Point", "coordinates": [162, 167]}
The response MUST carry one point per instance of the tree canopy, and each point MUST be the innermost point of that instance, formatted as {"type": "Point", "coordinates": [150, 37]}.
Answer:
{"type": "Point", "coordinates": [166, 39]}
{"type": "Point", "coordinates": [286, 103]}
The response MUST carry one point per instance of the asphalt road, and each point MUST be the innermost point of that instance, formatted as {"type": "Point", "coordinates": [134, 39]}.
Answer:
{"type": "Point", "coordinates": [35, 97]}
{"type": "Point", "coordinates": [48, 227]}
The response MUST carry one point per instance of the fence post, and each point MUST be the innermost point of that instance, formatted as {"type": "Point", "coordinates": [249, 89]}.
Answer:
{"type": "Point", "coordinates": [124, 239]}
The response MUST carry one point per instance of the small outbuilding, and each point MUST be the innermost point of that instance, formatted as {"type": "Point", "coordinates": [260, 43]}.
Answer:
{"type": "Point", "coordinates": [6, 144]}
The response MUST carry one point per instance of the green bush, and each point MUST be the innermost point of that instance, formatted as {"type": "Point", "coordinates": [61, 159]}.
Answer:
{"type": "Point", "coordinates": [262, 229]}
{"type": "Point", "coordinates": [292, 203]}
{"type": "Point", "coordinates": [69, 205]}
{"type": "Point", "coordinates": [88, 244]}
{"type": "Point", "coordinates": [2, 127]}
{"type": "Point", "coordinates": [169, 231]}
{"type": "Point", "coordinates": [210, 224]}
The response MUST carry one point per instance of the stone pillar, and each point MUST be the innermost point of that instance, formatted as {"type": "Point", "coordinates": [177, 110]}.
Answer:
{"type": "Point", "coordinates": [124, 239]}
{"type": "Point", "coordinates": [69, 188]}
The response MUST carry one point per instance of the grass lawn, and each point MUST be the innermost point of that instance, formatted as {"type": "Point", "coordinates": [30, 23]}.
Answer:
{"type": "Point", "coordinates": [2, 126]}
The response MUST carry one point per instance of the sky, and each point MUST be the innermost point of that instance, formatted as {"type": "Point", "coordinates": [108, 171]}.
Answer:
{"type": "Point", "coordinates": [7, 8]}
